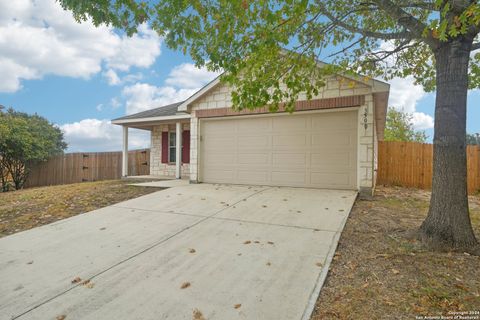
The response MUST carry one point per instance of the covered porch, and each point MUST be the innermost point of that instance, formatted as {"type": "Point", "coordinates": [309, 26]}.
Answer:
{"type": "Point", "coordinates": [169, 142]}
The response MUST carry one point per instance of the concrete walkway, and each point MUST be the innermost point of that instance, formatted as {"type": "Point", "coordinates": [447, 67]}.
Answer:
{"type": "Point", "coordinates": [163, 184]}
{"type": "Point", "coordinates": [240, 252]}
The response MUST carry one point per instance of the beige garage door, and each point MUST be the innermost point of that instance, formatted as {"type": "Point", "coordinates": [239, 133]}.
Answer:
{"type": "Point", "coordinates": [316, 150]}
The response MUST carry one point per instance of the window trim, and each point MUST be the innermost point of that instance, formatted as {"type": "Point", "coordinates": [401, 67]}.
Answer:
{"type": "Point", "coordinates": [174, 147]}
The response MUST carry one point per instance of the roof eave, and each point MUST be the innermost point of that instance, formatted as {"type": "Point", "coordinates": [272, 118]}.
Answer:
{"type": "Point", "coordinates": [151, 119]}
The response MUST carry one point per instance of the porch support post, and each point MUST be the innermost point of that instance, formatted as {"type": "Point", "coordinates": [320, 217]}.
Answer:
{"type": "Point", "coordinates": [125, 152]}
{"type": "Point", "coordinates": [178, 148]}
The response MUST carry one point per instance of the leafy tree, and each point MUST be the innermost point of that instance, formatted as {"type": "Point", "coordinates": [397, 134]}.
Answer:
{"type": "Point", "coordinates": [25, 140]}
{"type": "Point", "coordinates": [473, 138]}
{"type": "Point", "coordinates": [399, 127]}
{"type": "Point", "coordinates": [434, 41]}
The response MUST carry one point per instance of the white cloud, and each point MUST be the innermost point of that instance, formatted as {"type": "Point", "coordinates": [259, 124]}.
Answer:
{"type": "Point", "coordinates": [112, 77]}
{"type": "Point", "coordinates": [39, 38]}
{"type": "Point", "coordinates": [114, 103]}
{"type": "Point", "coordinates": [404, 96]}
{"type": "Point", "coordinates": [187, 75]}
{"type": "Point", "coordinates": [422, 121]}
{"type": "Point", "coordinates": [143, 96]}
{"type": "Point", "coordinates": [183, 81]}
{"type": "Point", "coordinates": [90, 135]}
{"type": "Point", "coordinates": [99, 107]}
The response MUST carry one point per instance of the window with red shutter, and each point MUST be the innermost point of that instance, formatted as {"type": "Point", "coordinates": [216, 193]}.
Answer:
{"type": "Point", "coordinates": [164, 147]}
{"type": "Point", "coordinates": [186, 146]}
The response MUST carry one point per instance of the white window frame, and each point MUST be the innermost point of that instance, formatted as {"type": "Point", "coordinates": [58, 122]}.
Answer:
{"type": "Point", "coordinates": [172, 148]}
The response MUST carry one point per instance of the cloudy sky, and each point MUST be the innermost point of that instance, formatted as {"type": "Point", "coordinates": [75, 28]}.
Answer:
{"type": "Point", "coordinates": [80, 77]}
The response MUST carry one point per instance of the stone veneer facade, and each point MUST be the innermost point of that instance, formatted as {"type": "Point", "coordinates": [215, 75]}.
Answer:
{"type": "Point", "coordinates": [156, 166]}
{"type": "Point", "coordinates": [220, 97]}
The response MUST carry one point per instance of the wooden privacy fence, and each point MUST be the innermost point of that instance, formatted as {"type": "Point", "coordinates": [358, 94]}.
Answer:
{"type": "Point", "coordinates": [409, 164]}
{"type": "Point", "coordinates": [90, 166]}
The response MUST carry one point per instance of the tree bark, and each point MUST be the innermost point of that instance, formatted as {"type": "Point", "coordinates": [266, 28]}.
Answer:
{"type": "Point", "coordinates": [448, 225]}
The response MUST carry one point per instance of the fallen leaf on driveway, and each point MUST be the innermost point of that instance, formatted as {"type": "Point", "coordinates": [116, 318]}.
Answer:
{"type": "Point", "coordinates": [76, 280]}
{"type": "Point", "coordinates": [89, 285]}
{"type": "Point", "coordinates": [197, 315]}
{"type": "Point", "coordinates": [185, 285]}
{"type": "Point", "coordinates": [238, 305]}
{"type": "Point", "coordinates": [30, 262]}
{"type": "Point", "coordinates": [103, 228]}
{"type": "Point", "coordinates": [319, 264]}
{"type": "Point", "coordinates": [192, 250]}
{"type": "Point", "coordinates": [264, 206]}
{"type": "Point", "coordinates": [61, 317]}
{"type": "Point", "coordinates": [270, 242]}
{"type": "Point", "coordinates": [268, 264]}
{"type": "Point", "coordinates": [256, 241]}
{"type": "Point", "coordinates": [247, 242]}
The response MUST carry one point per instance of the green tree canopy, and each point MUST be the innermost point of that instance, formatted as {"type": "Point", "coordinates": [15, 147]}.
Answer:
{"type": "Point", "coordinates": [399, 127]}
{"type": "Point", "coordinates": [25, 140]}
{"type": "Point", "coordinates": [434, 41]}
{"type": "Point", "coordinates": [473, 138]}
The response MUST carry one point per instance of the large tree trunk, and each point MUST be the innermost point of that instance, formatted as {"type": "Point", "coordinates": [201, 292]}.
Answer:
{"type": "Point", "coordinates": [448, 225]}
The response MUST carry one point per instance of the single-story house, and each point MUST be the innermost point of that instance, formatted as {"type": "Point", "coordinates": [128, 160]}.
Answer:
{"type": "Point", "coordinates": [330, 141]}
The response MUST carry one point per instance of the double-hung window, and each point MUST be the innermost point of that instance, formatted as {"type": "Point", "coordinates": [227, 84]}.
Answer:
{"type": "Point", "coordinates": [172, 147]}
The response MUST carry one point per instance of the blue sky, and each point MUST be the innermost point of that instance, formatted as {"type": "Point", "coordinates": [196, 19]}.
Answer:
{"type": "Point", "coordinates": [80, 77]}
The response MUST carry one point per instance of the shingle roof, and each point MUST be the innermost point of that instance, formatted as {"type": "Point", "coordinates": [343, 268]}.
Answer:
{"type": "Point", "coordinates": [168, 110]}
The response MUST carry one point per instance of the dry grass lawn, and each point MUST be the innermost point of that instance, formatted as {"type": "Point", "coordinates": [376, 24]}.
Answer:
{"type": "Point", "coordinates": [380, 271]}
{"type": "Point", "coordinates": [29, 208]}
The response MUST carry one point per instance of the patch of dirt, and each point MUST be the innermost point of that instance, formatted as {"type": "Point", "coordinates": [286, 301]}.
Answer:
{"type": "Point", "coordinates": [25, 209]}
{"type": "Point", "coordinates": [380, 270]}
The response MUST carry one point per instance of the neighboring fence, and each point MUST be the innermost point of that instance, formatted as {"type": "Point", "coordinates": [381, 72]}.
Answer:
{"type": "Point", "coordinates": [409, 164]}
{"type": "Point", "coordinates": [89, 166]}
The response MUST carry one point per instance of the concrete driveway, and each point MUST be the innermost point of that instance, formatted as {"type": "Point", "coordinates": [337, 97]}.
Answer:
{"type": "Point", "coordinates": [241, 252]}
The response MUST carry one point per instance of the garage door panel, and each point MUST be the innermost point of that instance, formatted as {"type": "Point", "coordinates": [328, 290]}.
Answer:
{"type": "Point", "coordinates": [335, 179]}
{"type": "Point", "coordinates": [252, 177]}
{"type": "Point", "coordinates": [316, 150]}
{"type": "Point", "coordinates": [219, 143]}
{"type": "Point", "coordinates": [215, 158]}
{"type": "Point", "coordinates": [289, 123]}
{"type": "Point", "coordinates": [337, 138]}
{"type": "Point", "coordinates": [223, 127]}
{"type": "Point", "coordinates": [328, 123]}
{"type": "Point", "coordinates": [216, 174]}
{"type": "Point", "coordinates": [286, 178]}
{"type": "Point", "coordinates": [255, 125]}
{"type": "Point", "coordinates": [289, 159]}
{"type": "Point", "coordinates": [253, 158]}
{"type": "Point", "coordinates": [292, 141]}
{"type": "Point", "coordinates": [339, 159]}
{"type": "Point", "coordinates": [253, 141]}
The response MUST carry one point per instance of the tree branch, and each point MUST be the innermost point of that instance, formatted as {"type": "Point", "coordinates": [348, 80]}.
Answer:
{"type": "Point", "coordinates": [366, 33]}
{"type": "Point", "coordinates": [406, 20]}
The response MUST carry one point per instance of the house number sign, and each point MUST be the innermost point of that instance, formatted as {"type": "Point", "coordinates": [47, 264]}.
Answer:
{"type": "Point", "coordinates": [365, 118]}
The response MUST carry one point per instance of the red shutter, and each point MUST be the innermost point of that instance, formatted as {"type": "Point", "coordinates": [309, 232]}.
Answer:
{"type": "Point", "coordinates": [186, 146]}
{"type": "Point", "coordinates": [164, 147]}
